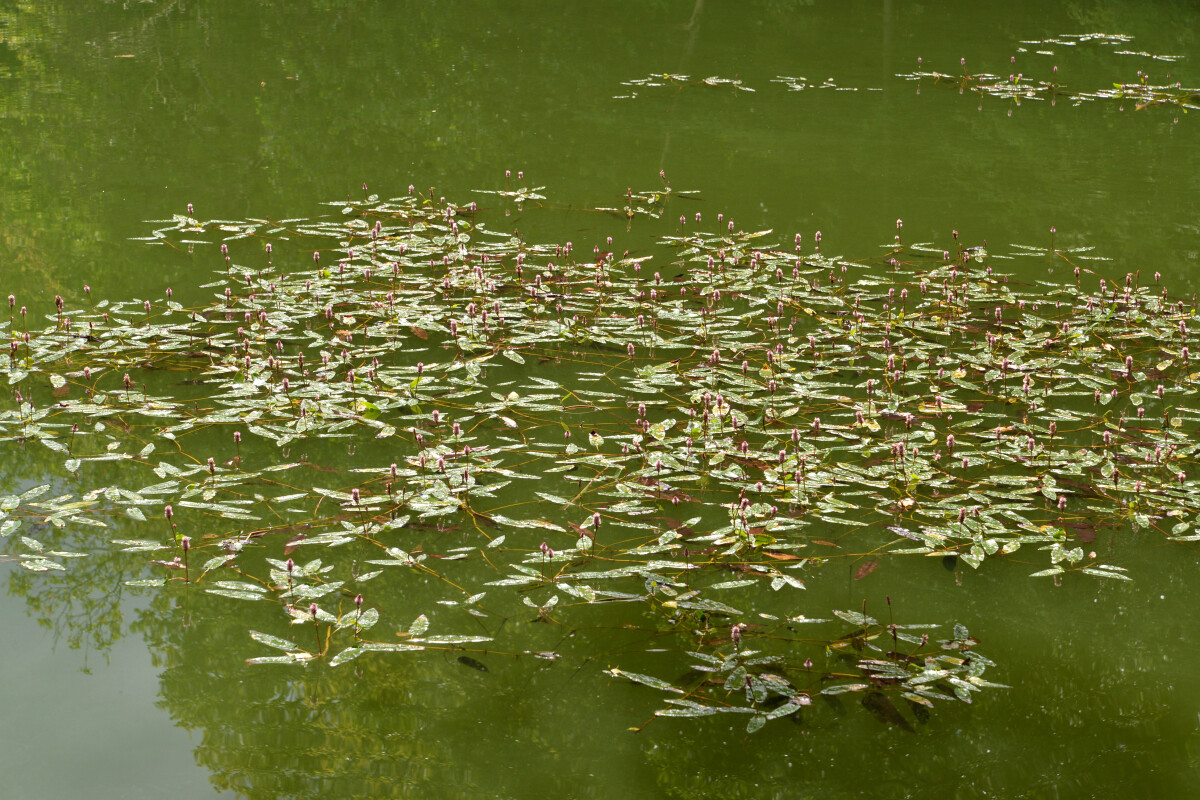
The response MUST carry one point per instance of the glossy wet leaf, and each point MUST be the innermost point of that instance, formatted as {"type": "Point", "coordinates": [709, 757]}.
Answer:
{"type": "Point", "coordinates": [349, 654]}
{"type": "Point", "coordinates": [645, 680]}
{"type": "Point", "coordinates": [273, 641]}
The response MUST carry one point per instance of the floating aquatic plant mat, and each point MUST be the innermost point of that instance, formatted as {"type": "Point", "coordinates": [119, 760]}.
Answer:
{"type": "Point", "coordinates": [1141, 92]}
{"type": "Point", "coordinates": [1020, 84]}
{"type": "Point", "coordinates": [671, 442]}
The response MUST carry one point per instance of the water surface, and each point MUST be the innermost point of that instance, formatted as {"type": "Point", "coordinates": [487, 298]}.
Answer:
{"type": "Point", "coordinates": [132, 111]}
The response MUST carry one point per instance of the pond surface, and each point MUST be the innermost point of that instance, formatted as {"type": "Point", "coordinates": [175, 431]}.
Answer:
{"type": "Point", "coordinates": [118, 683]}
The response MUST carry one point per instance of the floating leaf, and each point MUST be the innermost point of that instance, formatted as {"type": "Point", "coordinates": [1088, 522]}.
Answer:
{"type": "Point", "coordinates": [866, 569]}
{"type": "Point", "coordinates": [842, 688]}
{"type": "Point", "coordinates": [646, 680]}
{"type": "Point", "coordinates": [349, 654]}
{"type": "Point", "coordinates": [273, 641]}
{"type": "Point", "coordinates": [419, 626]}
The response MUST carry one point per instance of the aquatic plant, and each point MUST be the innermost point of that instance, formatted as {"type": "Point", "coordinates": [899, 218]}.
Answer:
{"type": "Point", "coordinates": [1141, 91]}
{"type": "Point", "coordinates": [1017, 86]}
{"type": "Point", "coordinates": [434, 400]}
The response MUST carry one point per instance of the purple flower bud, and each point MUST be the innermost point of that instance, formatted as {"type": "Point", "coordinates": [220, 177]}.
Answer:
{"type": "Point", "coordinates": [185, 543]}
{"type": "Point", "coordinates": [168, 512]}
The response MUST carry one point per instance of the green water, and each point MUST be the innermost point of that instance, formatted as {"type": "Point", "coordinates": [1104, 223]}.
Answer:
{"type": "Point", "coordinates": [132, 111]}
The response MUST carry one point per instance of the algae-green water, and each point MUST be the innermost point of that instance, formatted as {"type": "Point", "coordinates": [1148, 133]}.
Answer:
{"type": "Point", "coordinates": [1036, 138]}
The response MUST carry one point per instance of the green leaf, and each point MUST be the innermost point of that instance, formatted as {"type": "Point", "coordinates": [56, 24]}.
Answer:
{"type": "Point", "coordinates": [387, 647]}
{"type": "Point", "coordinates": [646, 680]}
{"type": "Point", "coordinates": [842, 688]}
{"type": "Point", "coordinates": [855, 618]}
{"type": "Point", "coordinates": [452, 638]}
{"type": "Point", "coordinates": [234, 594]}
{"type": "Point", "coordinates": [732, 584]}
{"type": "Point", "coordinates": [1104, 573]}
{"type": "Point", "coordinates": [273, 641]}
{"type": "Point", "coordinates": [295, 658]}
{"type": "Point", "coordinates": [368, 619]}
{"type": "Point", "coordinates": [349, 654]}
{"type": "Point", "coordinates": [217, 561]}
{"type": "Point", "coordinates": [689, 711]}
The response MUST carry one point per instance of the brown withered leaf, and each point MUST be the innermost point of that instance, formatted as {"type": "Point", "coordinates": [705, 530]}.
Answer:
{"type": "Point", "coordinates": [866, 569]}
{"type": "Point", "coordinates": [1084, 533]}
{"type": "Point", "coordinates": [678, 527]}
{"type": "Point", "coordinates": [582, 531]}
{"type": "Point", "coordinates": [420, 333]}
